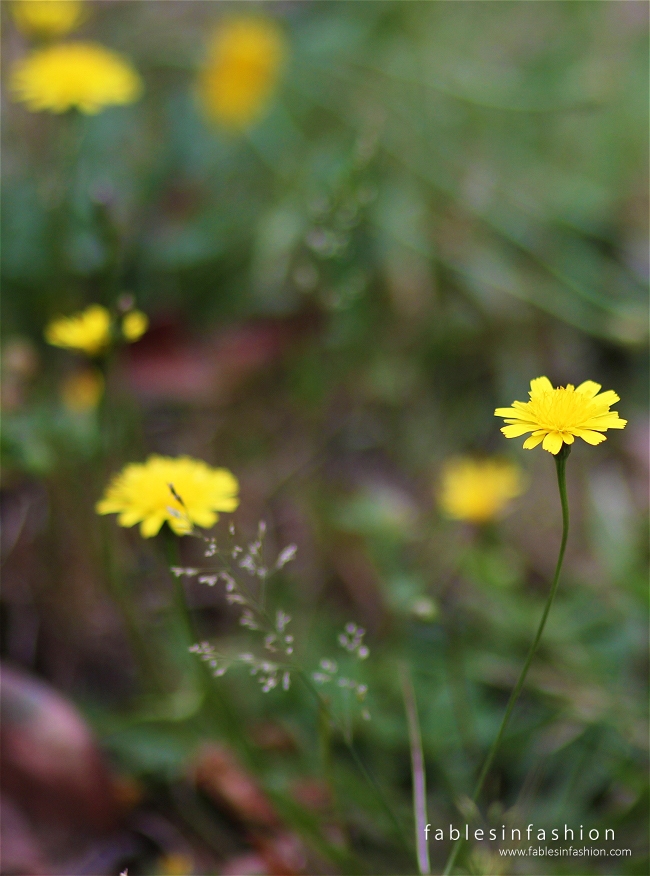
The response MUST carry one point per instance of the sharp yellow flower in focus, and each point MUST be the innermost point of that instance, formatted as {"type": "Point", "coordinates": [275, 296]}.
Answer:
{"type": "Point", "coordinates": [47, 18]}
{"type": "Point", "coordinates": [82, 391]}
{"type": "Point", "coordinates": [88, 331]}
{"type": "Point", "coordinates": [559, 416]}
{"type": "Point", "coordinates": [83, 76]}
{"type": "Point", "coordinates": [477, 490]}
{"type": "Point", "coordinates": [241, 72]}
{"type": "Point", "coordinates": [180, 491]}
{"type": "Point", "coordinates": [134, 325]}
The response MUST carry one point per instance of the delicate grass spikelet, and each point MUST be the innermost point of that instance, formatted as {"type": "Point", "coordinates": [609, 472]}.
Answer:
{"type": "Point", "coordinates": [559, 416]}
{"type": "Point", "coordinates": [134, 325]}
{"type": "Point", "coordinates": [83, 76]}
{"type": "Point", "coordinates": [47, 18]}
{"type": "Point", "coordinates": [81, 391]}
{"type": "Point", "coordinates": [242, 68]}
{"type": "Point", "coordinates": [88, 331]}
{"type": "Point", "coordinates": [477, 490]}
{"type": "Point", "coordinates": [181, 491]}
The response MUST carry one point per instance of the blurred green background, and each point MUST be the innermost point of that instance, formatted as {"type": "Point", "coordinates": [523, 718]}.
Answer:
{"type": "Point", "coordinates": [439, 202]}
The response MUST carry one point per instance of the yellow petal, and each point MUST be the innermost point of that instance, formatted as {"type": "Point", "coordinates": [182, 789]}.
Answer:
{"type": "Point", "coordinates": [590, 437]}
{"type": "Point", "coordinates": [533, 441]}
{"type": "Point", "coordinates": [181, 526]}
{"type": "Point", "coordinates": [589, 388]}
{"type": "Point", "coordinates": [540, 385]}
{"type": "Point", "coordinates": [509, 412]}
{"type": "Point", "coordinates": [607, 399]}
{"type": "Point", "coordinates": [129, 518]}
{"type": "Point", "coordinates": [206, 519]}
{"type": "Point", "coordinates": [150, 526]}
{"type": "Point", "coordinates": [226, 503]}
{"type": "Point", "coordinates": [552, 442]}
{"type": "Point", "coordinates": [515, 430]}
{"type": "Point", "coordinates": [603, 422]}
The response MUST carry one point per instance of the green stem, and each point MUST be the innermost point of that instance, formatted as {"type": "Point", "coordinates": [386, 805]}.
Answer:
{"type": "Point", "coordinates": [560, 463]}
{"type": "Point", "coordinates": [146, 663]}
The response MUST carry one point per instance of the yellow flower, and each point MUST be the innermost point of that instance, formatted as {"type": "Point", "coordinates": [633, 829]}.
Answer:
{"type": "Point", "coordinates": [176, 864]}
{"type": "Point", "coordinates": [89, 331]}
{"type": "Point", "coordinates": [82, 390]}
{"type": "Point", "coordinates": [242, 69]}
{"type": "Point", "coordinates": [559, 416]}
{"type": "Point", "coordinates": [478, 490]}
{"type": "Point", "coordinates": [181, 491]}
{"type": "Point", "coordinates": [134, 325]}
{"type": "Point", "coordinates": [47, 18]}
{"type": "Point", "coordinates": [85, 76]}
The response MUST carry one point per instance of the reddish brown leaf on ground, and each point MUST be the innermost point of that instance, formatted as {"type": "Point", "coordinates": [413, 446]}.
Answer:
{"type": "Point", "coordinates": [21, 852]}
{"type": "Point", "coordinates": [219, 774]}
{"type": "Point", "coordinates": [51, 765]}
{"type": "Point", "coordinates": [170, 365]}
{"type": "Point", "coordinates": [283, 853]}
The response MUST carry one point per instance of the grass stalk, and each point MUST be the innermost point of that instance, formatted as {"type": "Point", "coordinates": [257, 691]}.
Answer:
{"type": "Point", "coordinates": [417, 768]}
{"type": "Point", "coordinates": [560, 463]}
{"type": "Point", "coordinates": [363, 769]}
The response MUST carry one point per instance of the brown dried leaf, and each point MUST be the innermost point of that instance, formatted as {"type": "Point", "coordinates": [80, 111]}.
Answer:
{"type": "Point", "coordinates": [219, 774]}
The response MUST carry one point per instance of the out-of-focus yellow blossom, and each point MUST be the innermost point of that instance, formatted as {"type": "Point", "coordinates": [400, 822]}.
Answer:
{"type": "Point", "coordinates": [47, 18]}
{"type": "Point", "coordinates": [181, 491]}
{"type": "Point", "coordinates": [88, 331]}
{"type": "Point", "coordinates": [176, 864]}
{"type": "Point", "coordinates": [82, 390]}
{"type": "Point", "coordinates": [83, 76]}
{"type": "Point", "coordinates": [134, 325]}
{"type": "Point", "coordinates": [477, 490]}
{"type": "Point", "coordinates": [242, 69]}
{"type": "Point", "coordinates": [559, 416]}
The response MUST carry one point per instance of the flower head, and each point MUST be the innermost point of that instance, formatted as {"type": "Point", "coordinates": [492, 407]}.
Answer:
{"type": "Point", "coordinates": [85, 76]}
{"type": "Point", "coordinates": [243, 65]}
{"type": "Point", "coordinates": [88, 331]}
{"type": "Point", "coordinates": [477, 490]}
{"type": "Point", "coordinates": [134, 325]}
{"type": "Point", "coordinates": [82, 390]}
{"type": "Point", "coordinates": [181, 491]}
{"type": "Point", "coordinates": [47, 18]}
{"type": "Point", "coordinates": [559, 416]}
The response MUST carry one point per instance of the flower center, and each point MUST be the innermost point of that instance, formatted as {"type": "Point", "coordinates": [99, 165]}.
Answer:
{"type": "Point", "coordinates": [561, 409]}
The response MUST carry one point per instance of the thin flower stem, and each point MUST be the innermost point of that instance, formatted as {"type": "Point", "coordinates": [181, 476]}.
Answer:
{"type": "Point", "coordinates": [146, 663]}
{"type": "Point", "coordinates": [419, 776]}
{"type": "Point", "coordinates": [560, 463]}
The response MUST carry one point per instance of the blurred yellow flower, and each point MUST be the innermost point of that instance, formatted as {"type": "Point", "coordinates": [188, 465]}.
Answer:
{"type": "Point", "coordinates": [181, 491]}
{"type": "Point", "coordinates": [176, 864]}
{"type": "Point", "coordinates": [477, 490]}
{"type": "Point", "coordinates": [47, 18]}
{"type": "Point", "coordinates": [242, 69]}
{"type": "Point", "coordinates": [85, 76]}
{"type": "Point", "coordinates": [88, 331]}
{"type": "Point", "coordinates": [82, 390]}
{"type": "Point", "coordinates": [134, 325]}
{"type": "Point", "coordinates": [559, 416]}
